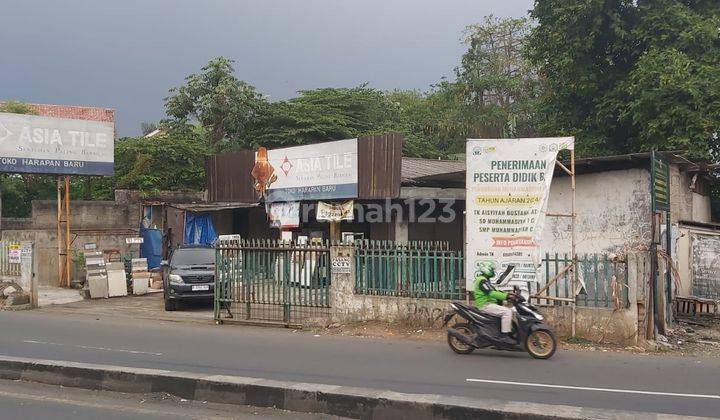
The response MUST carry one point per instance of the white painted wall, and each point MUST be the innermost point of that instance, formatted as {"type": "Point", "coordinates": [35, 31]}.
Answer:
{"type": "Point", "coordinates": [613, 212]}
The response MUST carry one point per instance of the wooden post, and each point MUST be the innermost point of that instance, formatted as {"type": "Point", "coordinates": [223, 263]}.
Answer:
{"type": "Point", "coordinates": [68, 239]}
{"type": "Point", "coordinates": [60, 232]}
{"type": "Point", "coordinates": [334, 231]}
{"type": "Point", "coordinates": [573, 251]}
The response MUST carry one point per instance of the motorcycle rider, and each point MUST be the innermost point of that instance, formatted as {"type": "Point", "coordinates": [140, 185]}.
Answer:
{"type": "Point", "coordinates": [489, 300]}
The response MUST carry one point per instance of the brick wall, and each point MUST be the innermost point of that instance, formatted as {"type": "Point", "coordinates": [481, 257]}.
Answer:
{"type": "Point", "coordinates": [74, 112]}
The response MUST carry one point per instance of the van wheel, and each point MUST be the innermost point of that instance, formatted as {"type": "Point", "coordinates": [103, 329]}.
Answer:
{"type": "Point", "coordinates": [169, 305]}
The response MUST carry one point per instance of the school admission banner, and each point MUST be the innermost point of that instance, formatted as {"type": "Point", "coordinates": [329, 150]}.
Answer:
{"type": "Point", "coordinates": [507, 189]}
{"type": "Point", "coordinates": [49, 145]}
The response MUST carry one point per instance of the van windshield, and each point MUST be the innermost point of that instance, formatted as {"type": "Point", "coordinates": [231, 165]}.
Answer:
{"type": "Point", "coordinates": [193, 256]}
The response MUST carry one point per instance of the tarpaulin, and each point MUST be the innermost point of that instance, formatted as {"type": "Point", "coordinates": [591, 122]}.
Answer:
{"type": "Point", "coordinates": [151, 248]}
{"type": "Point", "coordinates": [199, 229]}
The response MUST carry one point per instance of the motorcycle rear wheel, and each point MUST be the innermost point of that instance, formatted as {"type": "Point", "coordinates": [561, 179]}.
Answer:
{"type": "Point", "coordinates": [541, 344]}
{"type": "Point", "coordinates": [458, 346]}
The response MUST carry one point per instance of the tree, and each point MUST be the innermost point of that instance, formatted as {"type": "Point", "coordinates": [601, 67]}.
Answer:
{"type": "Point", "coordinates": [15, 107]}
{"type": "Point", "coordinates": [222, 104]}
{"type": "Point", "coordinates": [172, 160]}
{"type": "Point", "coordinates": [341, 113]}
{"type": "Point", "coordinates": [626, 76]}
{"type": "Point", "coordinates": [497, 82]}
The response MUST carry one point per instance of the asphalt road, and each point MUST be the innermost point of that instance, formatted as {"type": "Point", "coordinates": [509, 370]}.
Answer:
{"type": "Point", "coordinates": [23, 400]}
{"type": "Point", "coordinates": [675, 385]}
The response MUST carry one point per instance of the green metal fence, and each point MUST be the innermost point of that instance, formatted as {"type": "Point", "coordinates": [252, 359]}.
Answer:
{"type": "Point", "coordinates": [271, 281]}
{"type": "Point", "coordinates": [432, 270]}
{"type": "Point", "coordinates": [412, 269]}
{"type": "Point", "coordinates": [605, 280]}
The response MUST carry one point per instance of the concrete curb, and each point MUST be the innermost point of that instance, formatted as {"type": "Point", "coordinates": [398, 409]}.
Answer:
{"type": "Point", "coordinates": [294, 396]}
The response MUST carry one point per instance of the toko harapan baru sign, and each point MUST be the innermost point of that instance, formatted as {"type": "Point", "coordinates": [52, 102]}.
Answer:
{"type": "Point", "coordinates": [49, 145]}
{"type": "Point", "coordinates": [507, 190]}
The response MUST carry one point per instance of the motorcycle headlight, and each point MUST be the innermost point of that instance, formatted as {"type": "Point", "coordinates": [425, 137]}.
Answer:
{"type": "Point", "coordinates": [175, 279]}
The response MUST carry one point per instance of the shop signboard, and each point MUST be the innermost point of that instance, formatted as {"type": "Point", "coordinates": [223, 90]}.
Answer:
{"type": "Point", "coordinates": [507, 189]}
{"type": "Point", "coordinates": [313, 172]}
{"type": "Point", "coordinates": [49, 145]}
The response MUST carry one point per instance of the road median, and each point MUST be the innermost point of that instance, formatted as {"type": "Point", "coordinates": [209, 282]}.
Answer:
{"type": "Point", "coordinates": [294, 396]}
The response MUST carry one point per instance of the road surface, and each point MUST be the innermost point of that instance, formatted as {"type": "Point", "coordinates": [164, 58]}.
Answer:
{"type": "Point", "coordinates": [23, 400]}
{"type": "Point", "coordinates": [623, 381]}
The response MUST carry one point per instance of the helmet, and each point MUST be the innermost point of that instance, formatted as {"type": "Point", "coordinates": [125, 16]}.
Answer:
{"type": "Point", "coordinates": [486, 269]}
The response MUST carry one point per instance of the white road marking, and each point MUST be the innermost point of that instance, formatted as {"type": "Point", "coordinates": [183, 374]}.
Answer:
{"type": "Point", "coordinates": [47, 343]}
{"type": "Point", "coordinates": [585, 388]}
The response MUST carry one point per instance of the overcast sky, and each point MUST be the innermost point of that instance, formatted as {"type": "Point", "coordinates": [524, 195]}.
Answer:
{"type": "Point", "coordinates": [126, 54]}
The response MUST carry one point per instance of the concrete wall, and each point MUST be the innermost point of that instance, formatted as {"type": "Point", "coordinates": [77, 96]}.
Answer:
{"type": "Point", "coordinates": [622, 325]}
{"type": "Point", "coordinates": [613, 212]}
{"type": "Point", "coordinates": [106, 223]}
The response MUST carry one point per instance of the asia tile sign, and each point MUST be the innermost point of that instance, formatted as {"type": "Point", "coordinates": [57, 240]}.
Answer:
{"type": "Point", "coordinates": [320, 171]}
{"type": "Point", "coordinates": [48, 145]}
{"type": "Point", "coordinates": [507, 189]}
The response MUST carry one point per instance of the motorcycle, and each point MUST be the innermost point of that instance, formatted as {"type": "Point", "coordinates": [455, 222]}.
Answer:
{"type": "Point", "coordinates": [480, 330]}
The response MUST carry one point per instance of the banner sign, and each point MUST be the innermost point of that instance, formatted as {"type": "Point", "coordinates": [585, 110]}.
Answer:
{"type": "Point", "coordinates": [314, 172]}
{"type": "Point", "coordinates": [334, 212]}
{"type": "Point", "coordinates": [284, 215]}
{"type": "Point", "coordinates": [507, 189]}
{"type": "Point", "coordinates": [48, 145]}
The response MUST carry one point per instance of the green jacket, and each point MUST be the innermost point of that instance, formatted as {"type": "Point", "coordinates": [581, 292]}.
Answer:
{"type": "Point", "coordinates": [486, 293]}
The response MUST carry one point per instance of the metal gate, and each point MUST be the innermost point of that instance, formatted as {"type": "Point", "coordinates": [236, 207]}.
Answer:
{"type": "Point", "coordinates": [272, 282]}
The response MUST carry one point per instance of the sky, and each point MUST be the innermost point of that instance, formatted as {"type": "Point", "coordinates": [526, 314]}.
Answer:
{"type": "Point", "coordinates": [127, 54]}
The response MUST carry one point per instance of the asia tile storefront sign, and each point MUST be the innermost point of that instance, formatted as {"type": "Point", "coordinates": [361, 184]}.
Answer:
{"type": "Point", "coordinates": [49, 145]}
{"type": "Point", "coordinates": [313, 172]}
{"type": "Point", "coordinates": [507, 189]}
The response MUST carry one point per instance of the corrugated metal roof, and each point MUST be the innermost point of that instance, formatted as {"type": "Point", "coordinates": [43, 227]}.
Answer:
{"type": "Point", "coordinates": [413, 168]}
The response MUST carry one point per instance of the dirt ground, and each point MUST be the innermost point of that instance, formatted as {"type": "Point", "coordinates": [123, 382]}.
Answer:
{"type": "Point", "coordinates": [148, 306]}
{"type": "Point", "coordinates": [685, 338]}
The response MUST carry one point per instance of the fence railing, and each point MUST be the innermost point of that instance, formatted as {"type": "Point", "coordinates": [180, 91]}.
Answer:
{"type": "Point", "coordinates": [605, 280]}
{"type": "Point", "coordinates": [271, 280]}
{"type": "Point", "coordinates": [8, 268]}
{"type": "Point", "coordinates": [432, 270]}
{"type": "Point", "coordinates": [411, 269]}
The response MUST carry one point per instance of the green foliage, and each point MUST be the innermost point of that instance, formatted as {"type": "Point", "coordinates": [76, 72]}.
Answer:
{"type": "Point", "coordinates": [220, 102]}
{"type": "Point", "coordinates": [15, 107]}
{"type": "Point", "coordinates": [341, 113]}
{"type": "Point", "coordinates": [626, 76]}
{"type": "Point", "coordinates": [172, 160]}
{"type": "Point", "coordinates": [498, 84]}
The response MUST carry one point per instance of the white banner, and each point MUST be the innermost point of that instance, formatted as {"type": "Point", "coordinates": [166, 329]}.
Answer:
{"type": "Point", "coordinates": [49, 145]}
{"type": "Point", "coordinates": [334, 212]}
{"type": "Point", "coordinates": [318, 171]}
{"type": "Point", "coordinates": [507, 189]}
{"type": "Point", "coordinates": [284, 215]}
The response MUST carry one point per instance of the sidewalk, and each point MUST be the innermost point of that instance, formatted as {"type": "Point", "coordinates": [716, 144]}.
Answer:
{"type": "Point", "coordinates": [48, 295]}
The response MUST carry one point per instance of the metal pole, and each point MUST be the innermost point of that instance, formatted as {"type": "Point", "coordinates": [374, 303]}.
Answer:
{"type": "Point", "coordinates": [573, 241]}
{"type": "Point", "coordinates": [68, 240]}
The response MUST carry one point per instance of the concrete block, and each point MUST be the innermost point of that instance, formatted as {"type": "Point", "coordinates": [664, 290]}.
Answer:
{"type": "Point", "coordinates": [9, 290]}
{"type": "Point", "coordinates": [117, 283]}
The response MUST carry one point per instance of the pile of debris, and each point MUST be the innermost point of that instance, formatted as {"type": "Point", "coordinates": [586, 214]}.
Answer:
{"type": "Point", "coordinates": [13, 297]}
{"type": "Point", "coordinates": [692, 337]}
